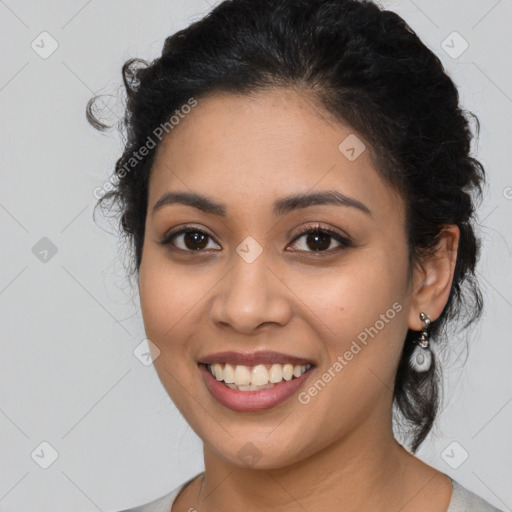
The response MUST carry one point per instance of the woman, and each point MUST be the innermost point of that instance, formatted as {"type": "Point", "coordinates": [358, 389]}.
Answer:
{"type": "Point", "coordinates": [299, 195]}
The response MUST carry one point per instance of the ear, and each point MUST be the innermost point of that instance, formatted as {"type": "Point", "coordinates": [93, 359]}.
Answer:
{"type": "Point", "coordinates": [433, 278]}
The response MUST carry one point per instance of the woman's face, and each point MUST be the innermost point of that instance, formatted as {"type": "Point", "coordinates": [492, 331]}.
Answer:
{"type": "Point", "coordinates": [253, 283]}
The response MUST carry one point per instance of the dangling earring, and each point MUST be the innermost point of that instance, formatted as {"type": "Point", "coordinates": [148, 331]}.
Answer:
{"type": "Point", "coordinates": [421, 357]}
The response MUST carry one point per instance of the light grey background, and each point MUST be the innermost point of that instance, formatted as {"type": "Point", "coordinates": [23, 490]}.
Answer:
{"type": "Point", "coordinates": [68, 373]}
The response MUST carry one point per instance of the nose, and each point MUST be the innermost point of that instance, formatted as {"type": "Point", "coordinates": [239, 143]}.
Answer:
{"type": "Point", "coordinates": [251, 297]}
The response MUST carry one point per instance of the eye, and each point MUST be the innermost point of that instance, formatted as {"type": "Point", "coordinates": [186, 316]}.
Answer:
{"type": "Point", "coordinates": [316, 238]}
{"type": "Point", "coordinates": [319, 239]}
{"type": "Point", "coordinates": [188, 240]}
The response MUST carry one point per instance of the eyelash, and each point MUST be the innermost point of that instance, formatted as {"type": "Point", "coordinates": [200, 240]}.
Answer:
{"type": "Point", "coordinates": [343, 241]}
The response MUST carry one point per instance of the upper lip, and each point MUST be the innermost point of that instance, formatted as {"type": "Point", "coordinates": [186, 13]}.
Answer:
{"type": "Point", "coordinates": [252, 359]}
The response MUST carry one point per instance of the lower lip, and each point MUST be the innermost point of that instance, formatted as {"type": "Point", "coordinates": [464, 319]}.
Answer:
{"type": "Point", "coordinates": [252, 401]}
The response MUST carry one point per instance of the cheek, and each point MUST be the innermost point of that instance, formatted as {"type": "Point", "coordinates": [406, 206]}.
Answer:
{"type": "Point", "coordinates": [363, 306]}
{"type": "Point", "coordinates": [166, 296]}
{"type": "Point", "coordinates": [363, 302]}
{"type": "Point", "coordinates": [360, 290]}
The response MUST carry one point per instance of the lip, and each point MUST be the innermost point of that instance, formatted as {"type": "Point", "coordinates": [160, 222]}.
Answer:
{"type": "Point", "coordinates": [252, 401]}
{"type": "Point", "coordinates": [252, 359]}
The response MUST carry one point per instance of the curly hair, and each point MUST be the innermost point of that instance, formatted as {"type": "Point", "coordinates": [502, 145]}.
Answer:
{"type": "Point", "coordinates": [367, 68]}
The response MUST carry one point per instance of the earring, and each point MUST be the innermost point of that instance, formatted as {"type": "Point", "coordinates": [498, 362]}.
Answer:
{"type": "Point", "coordinates": [421, 357]}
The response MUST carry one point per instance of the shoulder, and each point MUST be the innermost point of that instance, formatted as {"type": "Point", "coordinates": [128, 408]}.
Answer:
{"type": "Point", "coordinates": [164, 503]}
{"type": "Point", "coordinates": [463, 500]}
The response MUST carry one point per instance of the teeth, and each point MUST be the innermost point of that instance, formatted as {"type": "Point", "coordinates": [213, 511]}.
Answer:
{"type": "Point", "coordinates": [287, 372]}
{"type": "Point", "coordinates": [246, 378]}
{"type": "Point", "coordinates": [242, 375]}
{"type": "Point", "coordinates": [259, 375]}
{"type": "Point", "coordinates": [276, 373]}
{"type": "Point", "coordinates": [249, 388]}
{"type": "Point", "coordinates": [229, 374]}
{"type": "Point", "coordinates": [217, 371]}
{"type": "Point", "coordinates": [297, 371]}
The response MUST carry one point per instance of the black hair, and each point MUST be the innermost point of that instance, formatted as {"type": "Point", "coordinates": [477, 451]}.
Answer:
{"type": "Point", "coordinates": [367, 68]}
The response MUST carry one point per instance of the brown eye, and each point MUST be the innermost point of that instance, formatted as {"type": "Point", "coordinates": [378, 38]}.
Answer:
{"type": "Point", "coordinates": [320, 240]}
{"type": "Point", "coordinates": [188, 240]}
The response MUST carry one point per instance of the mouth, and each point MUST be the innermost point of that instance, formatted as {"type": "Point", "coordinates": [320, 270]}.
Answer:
{"type": "Point", "coordinates": [254, 388]}
{"type": "Point", "coordinates": [256, 377]}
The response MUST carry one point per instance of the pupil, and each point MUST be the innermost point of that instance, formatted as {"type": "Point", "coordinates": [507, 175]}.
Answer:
{"type": "Point", "coordinates": [316, 237]}
{"type": "Point", "coordinates": [195, 239]}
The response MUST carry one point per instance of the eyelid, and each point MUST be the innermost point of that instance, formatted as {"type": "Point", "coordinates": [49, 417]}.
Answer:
{"type": "Point", "coordinates": [322, 228]}
{"type": "Point", "coordinates": [183, 227]}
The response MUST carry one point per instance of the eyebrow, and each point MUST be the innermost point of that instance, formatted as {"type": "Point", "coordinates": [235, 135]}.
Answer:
{"type": "Point", "coordinates": [280, 207]}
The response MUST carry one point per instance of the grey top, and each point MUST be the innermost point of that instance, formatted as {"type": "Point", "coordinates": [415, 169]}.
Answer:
{"type": "Point", "coordinates": [462, 500]}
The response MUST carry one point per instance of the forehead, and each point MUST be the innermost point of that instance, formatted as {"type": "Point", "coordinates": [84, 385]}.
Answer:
{"type": "Point", "coordinates": [250, 149]}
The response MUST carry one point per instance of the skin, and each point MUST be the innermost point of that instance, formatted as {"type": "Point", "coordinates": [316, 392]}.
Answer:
{"type": "Point", "coordinates": [338, 450]}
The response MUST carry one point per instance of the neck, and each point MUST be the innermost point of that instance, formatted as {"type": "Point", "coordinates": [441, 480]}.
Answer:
{"type": "Point", "coordinates": [358, 471]}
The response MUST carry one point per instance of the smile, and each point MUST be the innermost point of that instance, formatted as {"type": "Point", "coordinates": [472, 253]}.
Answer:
{"type": "Point", "coordinates": [255, 388]}
{"type": "Point", "coordinates": [255, 378]}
